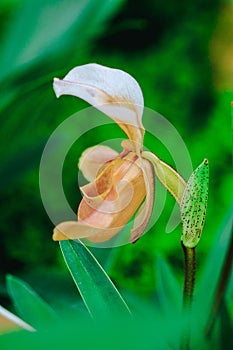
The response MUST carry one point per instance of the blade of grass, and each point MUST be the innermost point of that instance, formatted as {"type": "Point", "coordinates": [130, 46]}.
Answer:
{"type": "Point", "coordinates": [222, 286]}
{"type": "Point", "coordinates": [95, 287]}
{"type": "Point", "coordinates": [29, 304]}
{"type": "Point", "coordinates": [208, 283]}
{"type": "Point", "coordinates": [168, 289]}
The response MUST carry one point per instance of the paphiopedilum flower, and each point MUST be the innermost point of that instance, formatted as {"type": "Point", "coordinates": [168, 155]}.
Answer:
{"type": "Point", "coordinates": [120, 184]}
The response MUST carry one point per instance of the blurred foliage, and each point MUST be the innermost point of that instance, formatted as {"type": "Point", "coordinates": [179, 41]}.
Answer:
{"type": "Point", "coordinates": [105, 309]}
{"type": "Point", "coordinates": [172, 49]}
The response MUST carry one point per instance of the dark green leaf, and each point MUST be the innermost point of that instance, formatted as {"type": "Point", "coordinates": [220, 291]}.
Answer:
{"type": "Point", "coordinates": [28, 304]}
{"type": "Point", "coordinates": [41, 28]}
{"type": "Point", "coordinates": [208, 283]}
{"type": "Point", "coordinates": [97, 290]}
{"type": "Point", "coordinates": [169, 290]}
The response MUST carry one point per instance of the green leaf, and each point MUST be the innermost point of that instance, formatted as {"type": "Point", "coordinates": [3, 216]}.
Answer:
{"type": "Point", "coordinates": [169, 290]}
{"type": "Point", "coordinates": [211, 273]}
{"type": "Point", "coordinates": [193, 205]}
{"type": "Point", "coordinates": [96, 289]}
{"type": "Point", "coordinates": [113, 333]}
{"type": "Point", "coordinates": [44, 28]}
{"type": "Point", "coordinates": [28, 304]}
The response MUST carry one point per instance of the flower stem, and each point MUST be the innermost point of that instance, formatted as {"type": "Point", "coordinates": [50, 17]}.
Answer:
{"type": "Point", "coordinates": [224, 277]}
{"type": "Point", "coordinates": [189, 277]}
{"type": "Point", "coordinates": [189, 282]}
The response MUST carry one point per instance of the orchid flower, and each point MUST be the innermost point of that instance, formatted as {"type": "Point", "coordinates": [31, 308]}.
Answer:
{"type": "Point", "coordinates": [120, 185]}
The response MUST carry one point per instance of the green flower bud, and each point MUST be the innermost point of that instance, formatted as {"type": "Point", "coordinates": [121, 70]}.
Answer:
{"type": "Point", "coordinates": [193, 205]}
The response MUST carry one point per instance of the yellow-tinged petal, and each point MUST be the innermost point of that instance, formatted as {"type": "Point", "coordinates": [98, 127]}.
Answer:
{"type": "Point", "coordinates": [170, 178]}
{"type": "Point", "coordinates": [129, 145]}
{"type": "Point", "coordinates": [73, 230]}
{"type": "Point", "coordinates": [112, 91]}
{"type": "Point", "coordinates": [93, 159]}
{"type": "Point", "coordinates": [115, 199]}
{"type": "Point", "coordinates": [109, 182]}
{"type": "Point", "coordinates": [142, 218]}
{"type": "Point", "coordinates": [105, 209]}
{"type": "Point", "coordinates": [128, 182]}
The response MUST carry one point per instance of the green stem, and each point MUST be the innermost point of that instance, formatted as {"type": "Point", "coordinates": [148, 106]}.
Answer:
{"type": "Point", "coordinates": [224, 277]}
{"type": "Point", "coordinates": [189, 277]}
{"type": "Point", "coordinates": [189, 282]}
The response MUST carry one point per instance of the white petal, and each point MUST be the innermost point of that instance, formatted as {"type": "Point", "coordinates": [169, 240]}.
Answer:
{"type": "Point", "coordinates": [142, 218]}
{"type": "Point", "coordinates": [9, 321]}
{"type": "Point", "coordinates": [112, 91]}
{"type": "Point", "coordinates": [93, 159]}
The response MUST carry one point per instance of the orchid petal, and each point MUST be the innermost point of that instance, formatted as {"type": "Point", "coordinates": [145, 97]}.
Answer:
{"type": "Point", "coordinates": [171, 180]}
{"type": "Point", "coordinates": [112, 201]}
{"type": "Point", "coordinates": [131, 192]}
{"type": "Point", "coordinates": [109, 184]}
{"type": "Point", "coordinates": [129, 145]}
{"type": "Point", "coordinates": [111, 91]}
{"type": "Point", "coordinates": [93, 159]}
{"type": "Point", "coordinates": [142, 218]}
{"type": "Point", "coordinates": [102, 216]}
{"type": "Point", "coordinates": [101, 223]}
{"type": "Point", "coordinates": [73, 230]}
{"type": "Point", "coordinates": [79, 229]}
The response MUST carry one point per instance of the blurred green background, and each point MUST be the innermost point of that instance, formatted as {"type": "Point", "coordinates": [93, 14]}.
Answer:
{"type": "Point", "coordinates": [181, 55]}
